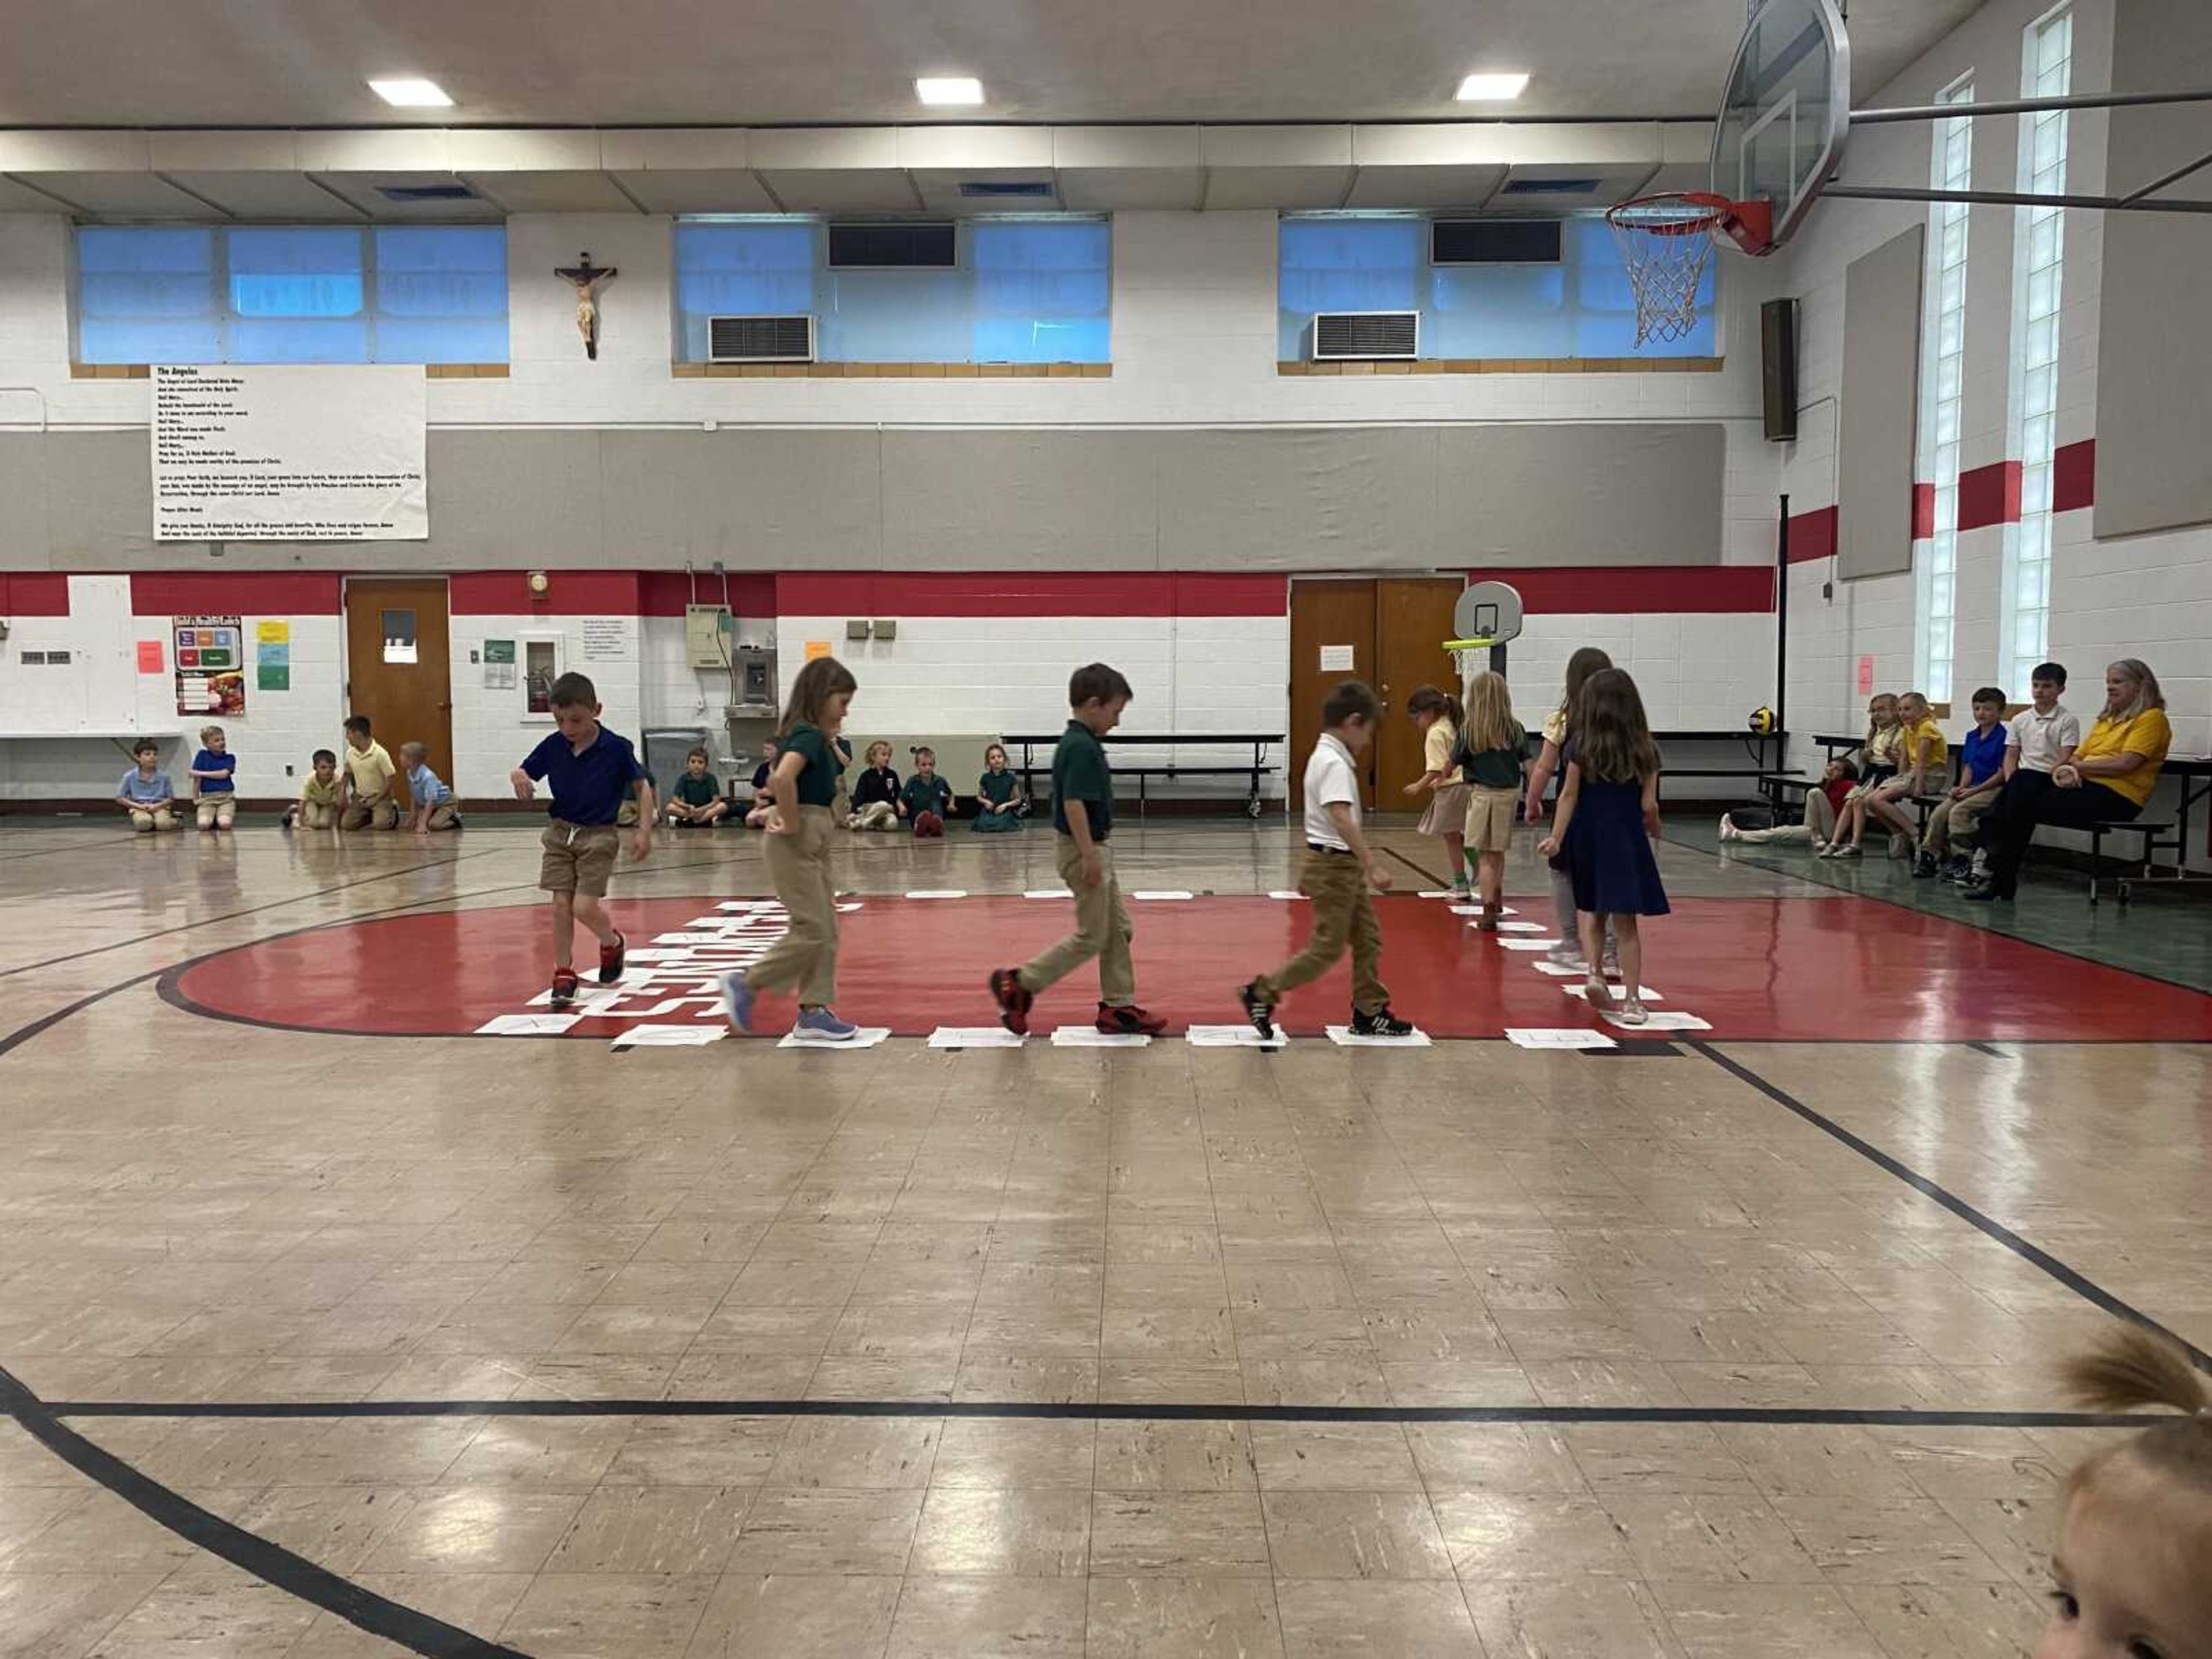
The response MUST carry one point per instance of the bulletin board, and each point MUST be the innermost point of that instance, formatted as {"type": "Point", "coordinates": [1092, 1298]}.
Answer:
{"type": "Point", "coordinates": [210, 664]}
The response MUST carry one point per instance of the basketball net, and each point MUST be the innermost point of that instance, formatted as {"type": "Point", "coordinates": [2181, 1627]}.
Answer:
{"type": "Point", "coordinates": [1664, 243]}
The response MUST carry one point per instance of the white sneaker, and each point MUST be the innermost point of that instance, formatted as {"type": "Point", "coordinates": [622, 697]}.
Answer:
{"type": "Point", "coordinates": [1565, 956]}
{"type": "Point", "coordinates": [1728, 831]}
{"type": "Point", "coordinates": [1633, 1012]}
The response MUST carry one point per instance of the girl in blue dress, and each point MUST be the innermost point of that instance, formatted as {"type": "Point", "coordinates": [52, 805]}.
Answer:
{"type": "Point", "coordinates": [999, 803]}
{"type": "Point", "coordinates": [1607, 816]}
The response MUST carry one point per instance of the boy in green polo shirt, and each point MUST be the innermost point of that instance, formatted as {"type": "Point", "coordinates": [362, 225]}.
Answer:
{"type": "Point", "coordinates": [1083, 814]}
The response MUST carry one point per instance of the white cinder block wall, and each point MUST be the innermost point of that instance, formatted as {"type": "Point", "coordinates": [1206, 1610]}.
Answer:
{"type": "Point", "coordinates": [2148, 596]}
{"type": "Point", "coordinates": [492, 731]}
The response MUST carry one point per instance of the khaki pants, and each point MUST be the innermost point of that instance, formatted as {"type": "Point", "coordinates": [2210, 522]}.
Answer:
{"type": "Point", "coordinates": [318, 815]}
{"type": "Point", "coordinates": [443, 817]}
{"type": "Point", "coordinates": [804, 959]}
{"type": "Point", "coordinates": [1955, 819]}
{"type": "Point", "coordinates": [1343, 913]}
{"type": "Point", "coordinates": [146, 822]}
{"type": "Point", "coordinates": [1819, 824]}
{"type": "Point", "coordinates": [371, 812]}
{"type": "Point", "coordinates": [1101, 930]}
{"type": "Point", "coordinates": [216, 811]}
{"type": "Point", "coordinates": [876, 815]}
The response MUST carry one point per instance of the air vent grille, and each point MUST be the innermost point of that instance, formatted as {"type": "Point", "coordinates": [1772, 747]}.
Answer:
{"type": "Point", "coordinates": [427, 193]}
{"type": "Point", "coordinates": [1366, 334]}
{"type": "Point", "coordinates": [1495, 242]}
{"type": "Point", "coordinates": [760, 339]}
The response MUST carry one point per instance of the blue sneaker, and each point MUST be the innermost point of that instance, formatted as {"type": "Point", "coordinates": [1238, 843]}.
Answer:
{"type": "Point", "coordinates": [823, 1025]}
{"type": "Point", "coordinates": [738, 1001]}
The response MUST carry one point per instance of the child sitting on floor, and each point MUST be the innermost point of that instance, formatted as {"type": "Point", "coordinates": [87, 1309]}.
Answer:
{"type": "Point", "coordinates": [763, 790]}
{"type": "Point", "coordinates": [144, 792]}
{"type": "Point", "coordinates": [926, 800]}
{"type": "Point", "coordinates": [1822, 807]}
{"type": "Point", "coordinates": [214, 788]}
{"type": "Point", "coordinates": [433, 807]}
{"type": "Point", "coordinates": [875, 796]}
{"type": "Point", "coordinates": [318, 806]}
{"type": "Point", "coordinates": [999, 801]}
{"type": "Point", "coordinates": [696, 801]}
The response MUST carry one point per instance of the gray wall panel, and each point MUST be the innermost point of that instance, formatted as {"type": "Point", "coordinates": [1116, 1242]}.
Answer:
{"type": "Point", "coordinates": [1011, 501]}
{"type": "Point", "coordinates": [1273, 498]}
{"type": "Point", "coordinates": [1879, 407]}
{"type": "Point", "coordinates": [1623, 493]}
{"type": "Point", "coordinates": [2154, 344]}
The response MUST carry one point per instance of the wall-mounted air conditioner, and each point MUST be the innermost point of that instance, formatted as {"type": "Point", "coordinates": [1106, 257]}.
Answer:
{"type": "Point", "coordinates": [760, 339]}
{"type": "Point", "coordinates": [1366, 335]}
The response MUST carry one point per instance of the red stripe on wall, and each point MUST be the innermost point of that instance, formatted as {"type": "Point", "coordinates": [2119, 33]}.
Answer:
{"type": "Point", "coordinates": [568, 593]}
{"type": "Point", "coordinates": [1923, 511]}
{"type": "Point", "coordinates": [1812, 534]}
{"type": "Point", "coordinates": [2074, 476]}
{"type": "Point", "coordinates": [236, 594]}
{"type": "Point", "coordinates": [1990, 495]}
{"type": "Point", "coordinates": [665, 592]}
{"type": "Point", "coordinates": [1641, 588]}
{"type": "Point", "coordinates": [1058, 593]}
{"type": "Point", "coordinates": [27, 594]}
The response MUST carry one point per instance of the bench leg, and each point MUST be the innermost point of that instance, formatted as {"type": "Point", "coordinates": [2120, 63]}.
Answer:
{"type": "Point", "coordinates": [2096, 863]}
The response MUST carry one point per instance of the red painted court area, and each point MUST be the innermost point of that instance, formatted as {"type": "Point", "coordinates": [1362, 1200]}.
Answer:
{"type": "Point", "coordinates": [1795, 969]}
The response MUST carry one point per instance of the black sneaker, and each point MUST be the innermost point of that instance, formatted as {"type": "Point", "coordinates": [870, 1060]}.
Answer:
{"type": "Point", "coordinates": [564, 987]}
{"type": "Point", "coordinates": [1923, 866]}
{"type": "Point", "coordinates": [1258, 1010]}
{"type": "Point", "coordinates": [1958, 870]}
{"type": "Point", "coordinates": [611, 957]}
{"type": "Point", "coordinates": [1984, 894]}
{"type": "Point", "coordinates": [1382, 1023]}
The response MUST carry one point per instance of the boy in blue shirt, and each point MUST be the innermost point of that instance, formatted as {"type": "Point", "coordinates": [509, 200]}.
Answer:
{"type": "Point", "coordinates": [431, 802]}
{"type": "Point", "coordinates": [215, 788]}
{"type": "Point", "coordinates": [592, 771]}
{"type": "Point", "coordinates": [1956, 818]}
{"type": "Point", "coordinates": [144, 792]}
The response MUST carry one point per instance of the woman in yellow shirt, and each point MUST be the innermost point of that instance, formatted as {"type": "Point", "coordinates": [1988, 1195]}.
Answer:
{"type": "Point", "coordinates": [2109, 779]}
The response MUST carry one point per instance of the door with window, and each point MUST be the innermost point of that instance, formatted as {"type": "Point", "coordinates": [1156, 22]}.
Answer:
{"type": "Point", "coordinates": [1389, 632]}
{"type": "Point", "coordinates": [398, 664]}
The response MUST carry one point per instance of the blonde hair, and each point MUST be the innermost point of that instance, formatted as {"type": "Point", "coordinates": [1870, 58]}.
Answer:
{"type": "Point", "coordinates": [878, 744]}
{"type": "Point", "coordinates": [1874, 726]}
{"type": "Point", "coordinates": [207, 732]}
{"type": "Point", "coordinates": [2148, 693]}
{"type": "Point", "coordinates": [1904, 697]}
{"type": "Point", "coordinates": [1490, 722]}
{"type": "Point", "coordinates": [2127, 1368]}
{"type": "Point", "coordinates": [418, 751]}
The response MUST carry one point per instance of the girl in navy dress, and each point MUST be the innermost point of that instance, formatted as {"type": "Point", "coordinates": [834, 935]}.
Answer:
{"type": "Point", "coordinates": [1607, 815]}
{"type": "Point", "coordinates": [999, 803]}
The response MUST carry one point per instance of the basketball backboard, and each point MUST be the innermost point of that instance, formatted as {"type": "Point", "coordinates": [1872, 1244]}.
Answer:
{"type": "Point", "coordinates": [1784, 118]}
{"type": "Point", "coordinates": [1488, 612]}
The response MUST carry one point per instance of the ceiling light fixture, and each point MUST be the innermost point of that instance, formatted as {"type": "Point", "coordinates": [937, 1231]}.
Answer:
{"type": "Point", "coordinates": [1491, 88]}
{"type": "Point", "coordinates": [411, 92]}
{"type": "Point", "coordinates": [949, 90]}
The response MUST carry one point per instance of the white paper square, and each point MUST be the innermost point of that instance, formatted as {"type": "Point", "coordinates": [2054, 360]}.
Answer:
{"type": "Point", "coordinates": [1658, 1022]}
{"type": "Point", "coordinates": [1089, 1037]}
{"type": "Point", "coordinates": [848, 909]}
{"type": "Point", "coordinates": [1525, 944]}
{"type": "Point", "coordinates": [1163, 893]}
{"type": "Point", "coordinates": [751, 904]}
{"type": "Point", "coordinates": [668, 1037]}
{"type": "Point", "coordinates": [939, 893]}
{"type": "Point", "coordinates": [973, 1036]}
{"type": "Point", "coordinates": [1049, 893]}
{"type": "Point", "coordinates": [1569, 1036]}
{"type": "Point", "coordinates": [1341, 1035]}
{"type": "Point", "coordinates": [1476, 910]}
{"type": "Point", "coordinates": [1556, 970]}
{"type": "Point", "coordinates": [1521, 928]}
{"type": "Point", "coordinates": [1285, 894]}
{"type": "Point", "coordinates": [1581, 988]}
{"type": "Point", "coordinates": [1232, 1036]}
{"type": "Point", "coordinates": [1437, 893]}
{"type": "Point", "coordinates": [690, 939]}
{"type": "Point", "coordinates": [867, 1036]}
{"type": "Point", "coordinates": [527, 1024]}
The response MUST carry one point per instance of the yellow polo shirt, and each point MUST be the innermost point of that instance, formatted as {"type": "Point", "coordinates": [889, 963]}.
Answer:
{"type": "Point", "coordinates": [370, 768]}
{"type": "Point", "coordinates": [1924, 735]}
{"type": "Point", "coordinates": [2147, 733]}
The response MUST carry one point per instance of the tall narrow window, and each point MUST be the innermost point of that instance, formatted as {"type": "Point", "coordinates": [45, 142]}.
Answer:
{"type": "Point", "coordinates": [2039, 266]}
{"type": "Point", "coordinates": [1943, 399]}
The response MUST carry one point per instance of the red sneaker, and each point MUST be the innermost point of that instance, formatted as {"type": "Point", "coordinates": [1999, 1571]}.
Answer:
{"type": "Point", "coordinates": [1131, 1021]}
{"type": "Point", "coordinates": [610, 960]}
{"type": "Point", "coordinates": [564, 987]}
{"type": "Point", "coordinates": [1014, 1001]}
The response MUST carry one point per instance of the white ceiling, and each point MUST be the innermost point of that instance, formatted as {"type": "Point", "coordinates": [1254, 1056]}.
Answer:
{"type": "Point", "coordinates": [132, 63]}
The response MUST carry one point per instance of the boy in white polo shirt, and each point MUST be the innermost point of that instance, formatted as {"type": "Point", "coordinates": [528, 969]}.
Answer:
{"type": "Point", "coordinates": [1338, 873]}
{"type": "Point", "coordinates": [2038, 740]}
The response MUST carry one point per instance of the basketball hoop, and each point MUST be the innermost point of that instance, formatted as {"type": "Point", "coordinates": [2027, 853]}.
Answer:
{"type": "Point", "coordinates": [1665, 241]}
{"type": "Point", "coordinates": [1467, 657]}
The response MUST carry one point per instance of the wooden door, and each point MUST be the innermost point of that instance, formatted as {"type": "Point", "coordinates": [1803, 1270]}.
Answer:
{"type": "Point", "coordinates": [1413, 619]}
{"type": "Point", "coordinates": [397, 665]}
{"type": "Point", "coordinates": [1333, 623]}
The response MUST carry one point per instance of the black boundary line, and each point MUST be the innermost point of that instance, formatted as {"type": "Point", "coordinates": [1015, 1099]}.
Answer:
{"type": "Point", "coordinates": [274, 1565]}
{"type": "Point", "coordinates": [1115, 1411]}
{"type": "Point", "coordinates": [1985, 924]}
{"type": "Point", "coordinates": [1989, 1048]}
{"type": "Point", "coordinates": [2083, 1286]}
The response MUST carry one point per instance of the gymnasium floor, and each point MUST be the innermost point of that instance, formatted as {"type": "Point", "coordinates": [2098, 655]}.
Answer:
{"type": "Point", "coordinates": [1719, 1342]}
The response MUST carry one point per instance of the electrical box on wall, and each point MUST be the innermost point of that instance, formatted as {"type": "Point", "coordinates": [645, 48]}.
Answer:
{"type": "Point", "coordinates": [709, 635]}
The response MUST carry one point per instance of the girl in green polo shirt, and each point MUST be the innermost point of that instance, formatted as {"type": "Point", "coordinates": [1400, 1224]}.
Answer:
{"type": "Point", "coordinates": [799, 827]}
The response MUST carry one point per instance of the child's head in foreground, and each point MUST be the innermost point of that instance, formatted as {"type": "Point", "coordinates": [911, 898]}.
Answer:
{"type": "Point", "coordinates": [2132, 1562]}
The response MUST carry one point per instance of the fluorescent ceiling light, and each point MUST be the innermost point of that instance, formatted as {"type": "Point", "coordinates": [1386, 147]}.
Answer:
{"type": "Point", "coordinates": [411, 92]}
{"type": "Point", "coordinates": [1491, 88]}
{"type": "Point", "coordinates": [949, 90]}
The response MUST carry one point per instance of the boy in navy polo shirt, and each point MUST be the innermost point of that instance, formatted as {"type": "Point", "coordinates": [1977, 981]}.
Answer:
{"type": "Point", "coordinates": [592, 770]}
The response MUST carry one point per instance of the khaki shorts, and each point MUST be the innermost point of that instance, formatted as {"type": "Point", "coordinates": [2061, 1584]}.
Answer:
{"type": "Point", "coordinates": [578, 858]}
{"type": "Point", "coordinates": [1490, 812]}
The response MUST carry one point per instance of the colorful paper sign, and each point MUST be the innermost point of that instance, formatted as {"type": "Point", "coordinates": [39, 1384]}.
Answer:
{"type": "Point", "coordinates": [1866, 676]}
{"type": "Point", "coordinates": [150, 658]}
{"type": "Point", "coordinates": [272, 632]}
{"type": "Point", "coordinates": [210, 675]}
{"type": "Point", "coordinates": [817, 648]}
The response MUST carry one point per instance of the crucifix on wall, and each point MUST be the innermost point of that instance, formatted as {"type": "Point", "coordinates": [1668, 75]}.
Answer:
{"type": "Point", "coordinates": [585, 278]}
